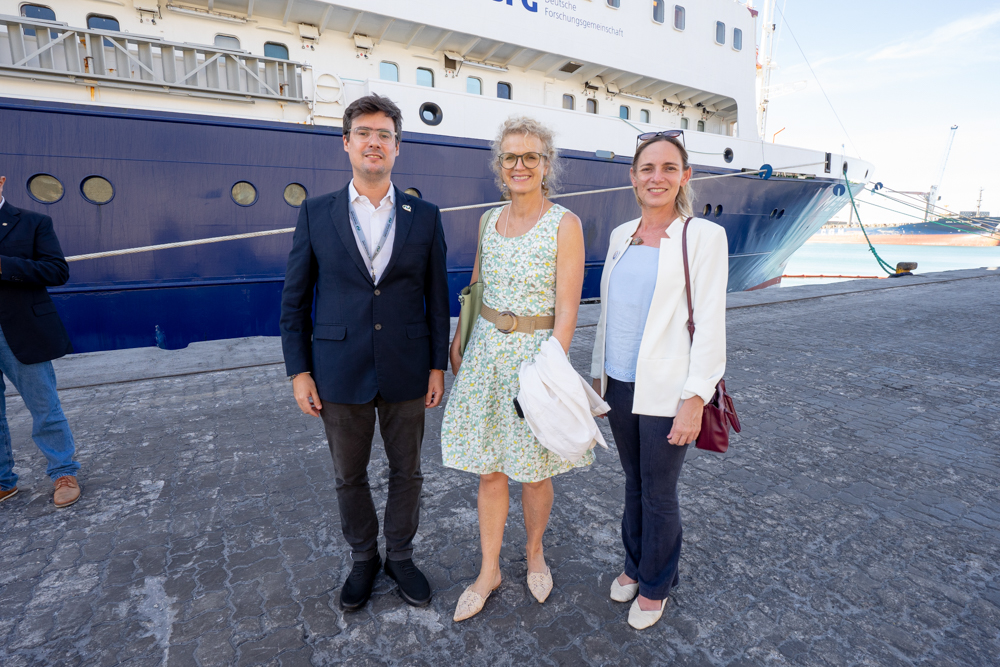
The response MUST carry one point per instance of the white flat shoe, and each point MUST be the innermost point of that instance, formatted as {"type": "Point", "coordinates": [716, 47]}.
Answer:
{"type": "Point", "coordinates": [640, 620]}
{"type": "Point", "coordinates": [620, 593]}
{"type": "Point", "coordinates": [540, 584]}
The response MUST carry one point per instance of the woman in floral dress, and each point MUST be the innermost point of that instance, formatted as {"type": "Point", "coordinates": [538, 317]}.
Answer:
{"type": "Point", "coordinates": [532, 266]}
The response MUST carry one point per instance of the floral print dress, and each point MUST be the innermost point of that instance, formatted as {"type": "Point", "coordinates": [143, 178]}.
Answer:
{"type": "Point", "coordinates": [481, 432]}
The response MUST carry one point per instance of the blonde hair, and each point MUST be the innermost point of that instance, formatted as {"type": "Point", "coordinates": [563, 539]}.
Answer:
{"type": "Point", "coordinates": [528, 127]}
{"type": "Point", "coordinates": [684, 204]}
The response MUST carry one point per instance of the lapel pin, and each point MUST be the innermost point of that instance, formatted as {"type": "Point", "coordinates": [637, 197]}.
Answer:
{"type": "Point", "coordinates": [617, 252]}
{"type": "Point", "coordinates": [406, 207]}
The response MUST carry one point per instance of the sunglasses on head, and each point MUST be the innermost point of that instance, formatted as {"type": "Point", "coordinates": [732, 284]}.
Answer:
{"type": "Point", "coordinates": [670, 134]}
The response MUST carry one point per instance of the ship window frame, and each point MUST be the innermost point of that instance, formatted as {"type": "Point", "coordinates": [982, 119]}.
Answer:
{"type": "Point", "coordinates": [627, 110]}
{"type": "Point", "coordinates": [510, 91]}
{"type": "Point", "coordinates": [284, 194]}
{"type": "Point", "coordinates": [720, 30]}
{"type": "Point", "coordinates": [106, 17]}
{"type": "Point", "coordinates": [30, 32]}
{"type": "Point", "coordinates": [437, 115]}
{"type": "Point", "coordinates": [571, 100]}
{"type": "Point", "coordinates": [390, 64]}
{"type": "Point", "coordinates": [256, 193]}
{"type": "Point", "coordinates": [468, 80]}
{"type": "Point", "coordinates": [428, 70]}
{"type": "Point", "coordinates": [614, 4]}
{"type": "Point", "coordinates": [83, 194]}
{"type": "Point", "coordinates": [700, 126]}
{"type": "Point", "coordinates": [663, 11]}
{"type": "Point", "coordinates": [680, 18]}
{"type": "Point", "coordinates": [644, 113]}
{"type": "Point", "coordinates": [592, 104]}
{"type": "Point", "coordinates": [27, 186]}
{"type": "Point", "coordinates": [685, 123]}
{"type": "Point", "coordinates": [288, 53]}
{"type": "Point", "coordinates": [224, 36]}
{"type": "Point", "coordinates": [737, 39]}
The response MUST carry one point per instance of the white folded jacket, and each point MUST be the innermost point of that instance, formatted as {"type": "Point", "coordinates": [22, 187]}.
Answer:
{"type": "Point", "coordinates": [559, 405]}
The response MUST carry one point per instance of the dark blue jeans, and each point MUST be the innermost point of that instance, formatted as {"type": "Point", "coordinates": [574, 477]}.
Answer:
{"type": "Point", "coordinates": [37, 385]}
{"type": "Point", "coordinates": [651, 523]}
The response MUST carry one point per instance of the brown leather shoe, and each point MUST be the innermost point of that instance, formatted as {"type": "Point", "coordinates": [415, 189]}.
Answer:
{"type": "Point", "coordinates": [4, 495]}
{"type": "Point", "coordinates": [67, 491]}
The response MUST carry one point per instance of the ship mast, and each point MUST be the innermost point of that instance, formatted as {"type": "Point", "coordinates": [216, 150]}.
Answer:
{"type": "Point", "coordinates": [979, 203]}
{"type": "Point", "coordinates": [932, 196]}
{"type": "Point", "coordinates": [765, 64]}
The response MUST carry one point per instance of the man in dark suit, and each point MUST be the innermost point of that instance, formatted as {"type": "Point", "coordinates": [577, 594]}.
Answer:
{"type": "Point", "coordinates": [31, 336]}
{"type": "Point", "coordinates": [375, 259]}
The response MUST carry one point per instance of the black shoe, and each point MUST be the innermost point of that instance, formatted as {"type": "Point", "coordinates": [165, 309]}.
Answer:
{"type": "Point", "coordinates": [358, 587]}
{"type": "Point", "coordinates": [412, 583]}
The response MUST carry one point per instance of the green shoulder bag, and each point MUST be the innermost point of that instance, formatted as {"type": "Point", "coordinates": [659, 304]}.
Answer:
{"type": "Point", "coordinates": [471, 297]}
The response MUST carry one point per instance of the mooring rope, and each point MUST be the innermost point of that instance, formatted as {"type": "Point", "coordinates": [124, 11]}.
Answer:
{"type": "Point", "coordinates": [884, 265]}
{"type": "Point", "coordinates": [289, 230]}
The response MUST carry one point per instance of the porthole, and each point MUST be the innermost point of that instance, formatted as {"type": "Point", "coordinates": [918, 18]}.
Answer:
{"type": "Point", "coordinates": [45, 188]}
{"type": "Point", "coordinates": [244, 194]}
{"type": "Point", "coordinates": [97, 190]}
{"type": "Point", "coordinates": [413, 192]}
{"type": "Point", "coordinates": [774, 214]}
{"type": "Point", "coordinates": [430, 113]}
{"type": "Point", "coordinates": [781, 214]}
{"type": "Point", "coordinates": [295, 194]}
{"type": "Point", "coordinates": [708, 210]}
{"type": "Point", "coordinates": [727, 155]}
{"type": "Point", "coordinates": [718, 210]}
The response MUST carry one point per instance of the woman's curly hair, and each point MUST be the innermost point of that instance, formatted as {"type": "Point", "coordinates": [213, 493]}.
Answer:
{"type": "Point", "coordinates": [528, 127]}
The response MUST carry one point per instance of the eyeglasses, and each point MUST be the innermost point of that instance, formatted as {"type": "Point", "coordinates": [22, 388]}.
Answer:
{"type": "Point", "coordinates": [365, 134]}
{"type": "Point", "coordinates": [670, 134]}
{"type": "Point", "coordinates": [529, 160]}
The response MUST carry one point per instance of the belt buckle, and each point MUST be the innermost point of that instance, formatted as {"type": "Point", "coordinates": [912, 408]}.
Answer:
{"type": "Point", "coordinates": [513, 326]}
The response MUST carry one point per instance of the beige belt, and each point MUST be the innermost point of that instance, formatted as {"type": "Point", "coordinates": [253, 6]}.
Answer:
{"type": "Point", "coordinates": [507, 322]}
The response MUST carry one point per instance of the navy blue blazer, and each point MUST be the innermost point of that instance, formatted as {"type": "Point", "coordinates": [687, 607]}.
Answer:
{"type": "Point", "coordinates": [30, 261]}
{"type": "Point", "coordinates": [367, 339]}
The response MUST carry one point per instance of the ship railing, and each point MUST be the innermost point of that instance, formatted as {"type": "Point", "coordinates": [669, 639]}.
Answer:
{"type": "Point", "coordinates": [85, 56]}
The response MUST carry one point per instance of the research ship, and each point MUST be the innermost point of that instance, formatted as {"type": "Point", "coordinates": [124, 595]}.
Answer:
{"type": "Point", "coordinates": [135, 123]}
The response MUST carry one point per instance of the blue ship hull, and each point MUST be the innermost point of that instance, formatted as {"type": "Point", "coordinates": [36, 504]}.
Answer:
{"type": "Point", "coordinates": [173, 174]}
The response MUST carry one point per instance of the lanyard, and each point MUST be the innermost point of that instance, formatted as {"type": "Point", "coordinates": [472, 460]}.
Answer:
{"type": "Point", "coordinates": [361, 236]}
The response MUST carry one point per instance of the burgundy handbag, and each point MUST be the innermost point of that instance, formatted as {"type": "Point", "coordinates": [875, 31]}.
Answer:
{"type": "Point", "coordinates": [719, 414]}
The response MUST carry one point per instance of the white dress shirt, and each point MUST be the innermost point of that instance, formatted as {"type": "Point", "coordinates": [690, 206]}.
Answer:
{"type": "Point", "coordinates": [372, 222]}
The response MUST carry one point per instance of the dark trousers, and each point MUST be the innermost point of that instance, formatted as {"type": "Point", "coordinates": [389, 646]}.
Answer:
{"type": "Point", "coordinates": [349, 431]}
{"type": "Point", "coordinates": [651, 523]}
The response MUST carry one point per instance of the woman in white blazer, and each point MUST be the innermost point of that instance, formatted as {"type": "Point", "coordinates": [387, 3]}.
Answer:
{"type": "Point", "coordinates": [646, 366]}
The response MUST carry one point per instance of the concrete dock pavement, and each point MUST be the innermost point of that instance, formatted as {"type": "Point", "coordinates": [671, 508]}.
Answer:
{"type": "Point", "coordinates": [856, 520]}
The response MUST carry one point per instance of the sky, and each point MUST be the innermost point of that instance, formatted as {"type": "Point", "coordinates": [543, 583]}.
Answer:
{"type": "Point", "coordinates": [899, 75]}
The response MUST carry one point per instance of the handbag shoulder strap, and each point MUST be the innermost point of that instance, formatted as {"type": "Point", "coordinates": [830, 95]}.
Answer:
{"type": "Point", "coordinates": [482, 230]}
{"type": "Point", "coordinates": [687, 278]}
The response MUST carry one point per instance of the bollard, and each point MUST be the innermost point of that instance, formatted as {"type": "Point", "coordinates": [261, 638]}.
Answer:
{"type": "Point", "coordinates": [904, 269]}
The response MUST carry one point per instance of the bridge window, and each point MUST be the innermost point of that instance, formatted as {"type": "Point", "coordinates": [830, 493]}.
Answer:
{"type": "Point", "coordinates": [701, 126]}
{"type": "Point", "coordinates": [624, 112]}
{"type": "Point", "coordinates": [504, 91]}
{"type": "Point", "coordinates": [388, 71]}
{"type": "Point", "coordinates": [679, 17]}
{"type": "Point", "coordinates": [425, 77]}
{"type": "Point", "coordinates": [275, 50]}
{"type": "Point", "coordinates": [684, 123]}
{"type": "Point", "coordinates": [295, 194]}
{"type": "Point", "coordinates": [659, 10]}
{"type": "Point", "coordinates": [45, 188]}
{"type": "Point", "coordinates": [720, 32]}
{"type": "Point", "coordinates": [244, 194]}
{"type": "Point", "coordinates": [591, 106]}
{"type": "Point", "coordinates": [615, 3]}
{"type": "Point", "coordinates": [227, 42]}
{"type": "Point", "coordinates": [569, 102]}
{"type": "Point", "coordinates": [38, 12]}
{"type": "Point", "coordinates": [737, 39]}
{"type": "Point", "coordinates": [474, 86]}
{"type": "Point", "coordinates": [98, 22]}
{"type": "Point", "coordinates": [97, 190]}
{"type": "Point", "coordinates": [644, 115]}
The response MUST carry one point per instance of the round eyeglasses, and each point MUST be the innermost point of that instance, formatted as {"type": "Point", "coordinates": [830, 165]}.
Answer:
{"type": "Point", "coordinates": [529, 160]}
{"type": "Point", "coordinates": [365, 134]}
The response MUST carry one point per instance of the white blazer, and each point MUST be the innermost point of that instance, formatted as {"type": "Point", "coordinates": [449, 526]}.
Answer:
{"type": "Point", "coordinates": [670, 368]}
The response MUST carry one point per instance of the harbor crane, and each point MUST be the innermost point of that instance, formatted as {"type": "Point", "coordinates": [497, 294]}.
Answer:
{"type": "Point", "coordinates": [932, 196]}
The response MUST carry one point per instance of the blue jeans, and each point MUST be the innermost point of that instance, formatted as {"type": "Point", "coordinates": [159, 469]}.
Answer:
{"type": "Point", "coordinates": [37, 385]}
{"type": "Point", "coordinates": [651, 522]}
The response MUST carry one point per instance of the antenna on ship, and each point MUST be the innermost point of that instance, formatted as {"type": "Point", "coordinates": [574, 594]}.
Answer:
{"type": "Point", "coordinates": [979, 203]}
{"type": "Point", "coordinates": [765, 64]}
{"type": "Point", "coordinates": [932, 196]}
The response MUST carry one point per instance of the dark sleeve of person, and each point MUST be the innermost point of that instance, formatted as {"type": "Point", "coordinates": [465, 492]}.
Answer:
{"type": "Point", "coordinates": [47, 267]}
{"type": "Point", "coordinates": [297, 299]}
{"type": "Point", "coordinates": [436, 297]}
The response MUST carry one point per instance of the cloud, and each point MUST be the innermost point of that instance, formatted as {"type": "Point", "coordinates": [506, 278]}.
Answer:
{"type": "Point", "coordinates": [942, 38]}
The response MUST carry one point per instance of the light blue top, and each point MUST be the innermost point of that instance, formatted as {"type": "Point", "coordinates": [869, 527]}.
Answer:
{"type": "Point", "coordinates": [630, 292]}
